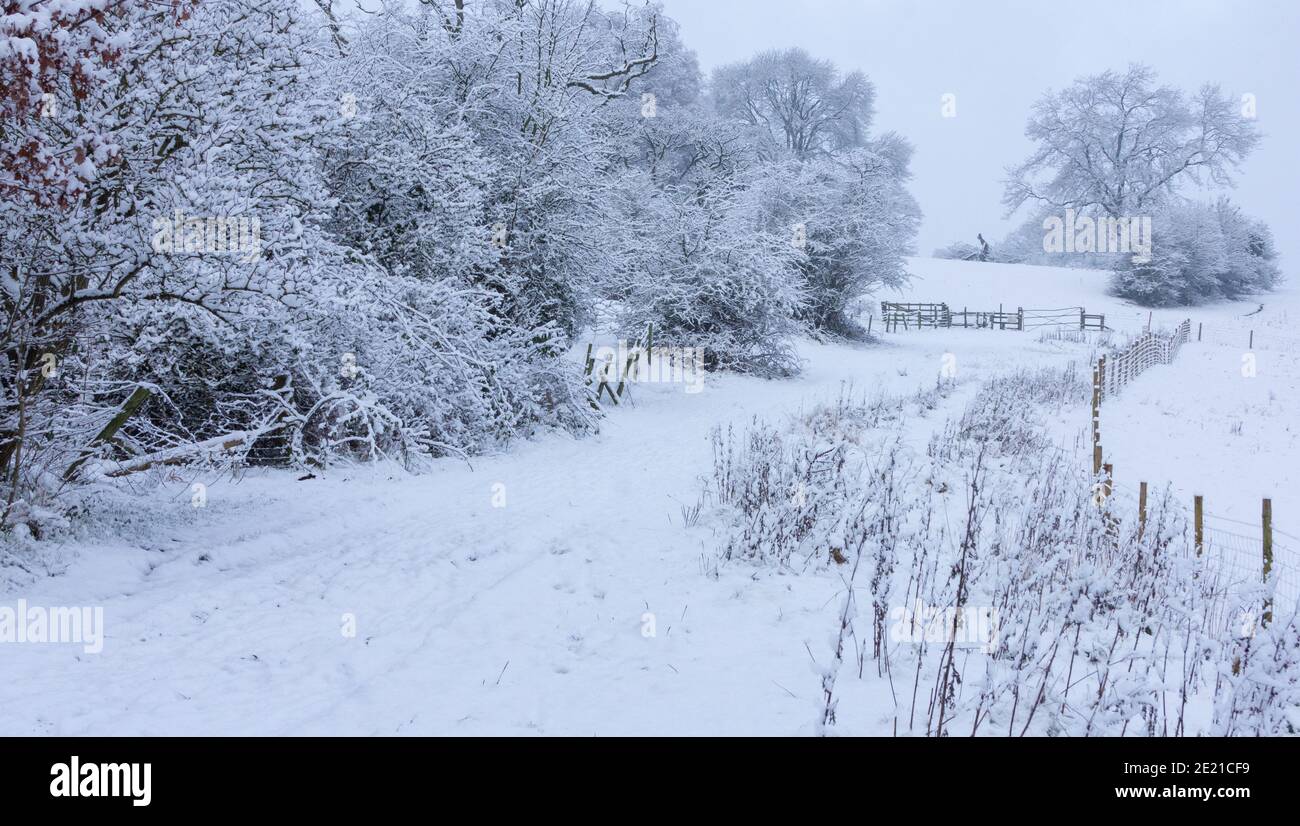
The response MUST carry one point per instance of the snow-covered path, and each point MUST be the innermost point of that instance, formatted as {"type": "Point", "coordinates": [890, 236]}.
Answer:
{"type": "Point", "coordinates": [470, 618]}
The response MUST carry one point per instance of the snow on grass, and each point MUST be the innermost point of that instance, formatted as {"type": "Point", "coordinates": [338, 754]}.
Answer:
{"type": "Point", "coordinates": [536, 616]}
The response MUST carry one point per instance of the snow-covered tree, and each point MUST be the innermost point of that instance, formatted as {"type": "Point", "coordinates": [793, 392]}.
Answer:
{"type": "Point", "coordinates": [701, 260]}
{"type": "Point", "coordinates": [855, 222]}
{"type": "Point", "coordinates": [796, 103]}
{"type": "Point", "coordinates": [846, 207]}
{"type": "Point", "coordinates": [201, 200]}
{"type": "Point", "coordinates": [53, 56]}
{"type": "Point", "coordinates": [1119, 144]}
{"type": "Point", "coordinates": [262, 230]}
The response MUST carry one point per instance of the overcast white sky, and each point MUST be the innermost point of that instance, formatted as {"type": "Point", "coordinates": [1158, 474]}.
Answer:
{"type": "Point", "coordinates": [998, 56]}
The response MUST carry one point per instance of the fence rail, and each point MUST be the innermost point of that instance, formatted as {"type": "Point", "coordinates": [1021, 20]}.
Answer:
{"type": "Point", "coordinates": [918, 316]}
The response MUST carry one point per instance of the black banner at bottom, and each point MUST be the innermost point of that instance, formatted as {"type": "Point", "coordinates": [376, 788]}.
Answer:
{"type": "Point", "coordinates": [136, 776]}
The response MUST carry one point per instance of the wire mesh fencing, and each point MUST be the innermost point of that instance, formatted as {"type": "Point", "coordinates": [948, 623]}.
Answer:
{"type": "Point", "coordinates": [1242, 555]}
{"type": "Point", "coordinates": [1146, 351]}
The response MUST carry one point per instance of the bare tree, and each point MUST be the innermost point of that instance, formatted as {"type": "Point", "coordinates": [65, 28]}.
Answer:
{"type": "Point", "coordinates": [800, 104]}
{"type": "Point", "coordinates": [1119, 144]}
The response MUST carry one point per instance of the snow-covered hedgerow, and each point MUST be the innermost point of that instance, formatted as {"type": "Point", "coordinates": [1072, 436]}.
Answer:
{"type": "Point", "coordinates": [1202, 252]}
{"type": "Point", "coordinates": [259, 257]}
{"type": "Point", "coordinates": [253, 231]}
{"type": "Point", "coordinates": [992, 587]}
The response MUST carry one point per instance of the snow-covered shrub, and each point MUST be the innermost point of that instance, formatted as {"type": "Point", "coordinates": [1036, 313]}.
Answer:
{"type": "Point", "coordinates": [202, 205]}
{"type": "Point", "coordinates": [1004, 418]}
{"type": "Point", "coordinates": [791, 494]}
{"type": "Point", "coordinates": [51, 54]}
{"type": "Point", "coordinates": [293, 273]}
{"type": "Point", "coordinates": [702, 268]}
{"type": "Point", "coordinates": [1202, 252]}
{"type": "Point", "coordinates": [1259, 692]}
{"type": "Point", "coordinates": [780, 492]}
{"type": "Point", "coordinates": [1189, 255]}
{"type": "Point", "coordinates": [958, 251]}
{"type": "Point", "coordinates": [435, 358]}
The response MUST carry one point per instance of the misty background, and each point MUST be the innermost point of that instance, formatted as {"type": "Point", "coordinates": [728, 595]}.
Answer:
{"type": "Point", "coordinates": [999, 57]}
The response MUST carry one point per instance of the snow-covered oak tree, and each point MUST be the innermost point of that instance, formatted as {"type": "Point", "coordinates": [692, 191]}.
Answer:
{"type": "Point", "coordinates": [1119, 146]}
{"type": "Point", "coordinates": [1118, 143]}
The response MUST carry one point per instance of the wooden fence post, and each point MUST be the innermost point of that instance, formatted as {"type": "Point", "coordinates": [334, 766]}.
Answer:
{"type": "Point", "coordinates": [1200, 326]}
{"type": "Point", "coordinates": [1268, 555]}
{"type": "Point", "coordinates": [1199, 511]}
{"type": "Point", "coordinates": [1107, 485]}
{"type": "Point", "coordinates": [1096, 417]}
{"type": "Point", "coordinates": [1268, 537]}
{"type": "Point", "coordinates": [1252, 339]}
{"type": "Point", "coordinates": [1142, 509]}
{"type": "Point", "coordinates": [1083, 319]}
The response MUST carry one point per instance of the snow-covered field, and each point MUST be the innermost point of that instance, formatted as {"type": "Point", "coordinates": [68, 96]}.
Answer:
{"type": "Point", "coordinates": [556, 589]}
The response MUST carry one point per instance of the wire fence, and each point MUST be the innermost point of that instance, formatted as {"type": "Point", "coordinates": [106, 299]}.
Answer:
{"type": "Point", "coordinates": [1146, 351]}
{"type": "Point", "coordinates": [1239, 552]}
{"type": "Point", "coordinates": [1234, 548]}
{"type": "Point", "coordinates": [1241, 557]}
{"type": "Point", "coordinates": [1247, 336]}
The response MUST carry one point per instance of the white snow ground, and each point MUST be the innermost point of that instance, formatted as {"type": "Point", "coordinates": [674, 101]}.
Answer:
{"type": "Point", "coordinates": [473, 619]}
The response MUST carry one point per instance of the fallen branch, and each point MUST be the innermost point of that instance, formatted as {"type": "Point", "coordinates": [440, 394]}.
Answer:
{"type": "Point", "coordinates": [126, 411]}
{"type": "Point", "coordinates": [182, 454]}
